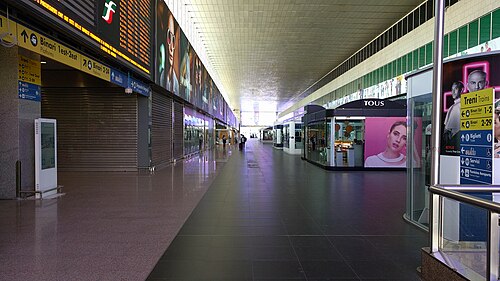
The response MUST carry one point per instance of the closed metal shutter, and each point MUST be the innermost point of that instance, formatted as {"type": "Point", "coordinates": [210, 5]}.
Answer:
{"type": "Point", "coordinates": [178, 130]}
{"type": "Point", "coordinates": [161, 130]}
{"type": "Point", "coordinates": [96, 128]}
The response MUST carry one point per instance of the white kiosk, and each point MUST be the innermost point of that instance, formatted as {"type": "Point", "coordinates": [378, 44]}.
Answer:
{"type": "Point", "coordinates": [45, 157]}
{"type": "Point", "coordinates": [292, 138]}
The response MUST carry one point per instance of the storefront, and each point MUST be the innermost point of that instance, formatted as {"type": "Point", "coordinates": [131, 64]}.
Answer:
{"type": "Point", "coordinates": [368, 133]}
{"type": "Point", "coordinates": [266, 135]}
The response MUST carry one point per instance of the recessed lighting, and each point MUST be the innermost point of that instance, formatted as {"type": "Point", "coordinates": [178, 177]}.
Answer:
{"type": "Point", "coordinates": [43, 62]}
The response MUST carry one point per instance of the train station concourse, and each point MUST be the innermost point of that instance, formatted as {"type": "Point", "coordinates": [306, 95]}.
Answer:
{"type": "Point", "coordinates": [250, 140]}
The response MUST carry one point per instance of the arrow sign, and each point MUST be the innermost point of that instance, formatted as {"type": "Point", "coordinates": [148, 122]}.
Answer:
{"type": "Point", "coordinates": [24, 34]}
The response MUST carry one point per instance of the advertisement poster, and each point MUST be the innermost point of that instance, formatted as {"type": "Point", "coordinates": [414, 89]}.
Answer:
{"type": "Point", "coordinates": [460, 77]}
{"type": "Point", "coordinates": [167, 49]}
{"type": "Point", "coordinates": [186, 55]}
{"type": "Point", "coordinates": [386, 142]}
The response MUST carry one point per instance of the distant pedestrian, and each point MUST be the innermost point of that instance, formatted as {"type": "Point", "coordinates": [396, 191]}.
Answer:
{"type": "Point", "coordinates": [224, 141]}
{"type": "Point", "coordinates": [243, 141]}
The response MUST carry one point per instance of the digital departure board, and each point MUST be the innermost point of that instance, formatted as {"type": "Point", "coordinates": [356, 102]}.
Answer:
{"type": "Point", "coordinates": [120, 28]}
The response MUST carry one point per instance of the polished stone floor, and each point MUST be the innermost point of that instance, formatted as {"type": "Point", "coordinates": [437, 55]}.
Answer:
{"type": "Point", "coordinates": [225, 215]}
{"type": "Point", "coordinates": [272, 216]}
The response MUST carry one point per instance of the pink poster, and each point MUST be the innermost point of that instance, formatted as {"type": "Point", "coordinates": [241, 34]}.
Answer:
{"type": "Point", "coordinates": [386, 142]}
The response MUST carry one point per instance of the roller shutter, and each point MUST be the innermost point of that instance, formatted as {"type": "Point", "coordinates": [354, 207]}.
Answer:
{"type": "Point", "coordinates": [96, 128]}
{"type": "Point", "coordinates": [161, 130]}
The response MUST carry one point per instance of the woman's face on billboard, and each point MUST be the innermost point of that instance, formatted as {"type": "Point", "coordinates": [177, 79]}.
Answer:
{"type": "Point", "coordinates": [396, 140]}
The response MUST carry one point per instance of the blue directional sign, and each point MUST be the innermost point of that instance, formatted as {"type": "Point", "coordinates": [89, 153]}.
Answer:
{"type": "Point", "coordinates": [28, 91]}
{"type": "Point", "coordinates": [476, 138]}
{"type": "Point", "coordinates": [121, 79]}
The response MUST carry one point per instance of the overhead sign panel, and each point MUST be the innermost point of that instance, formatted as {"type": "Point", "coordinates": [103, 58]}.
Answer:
{"type": "Point", "coordinates": [45, 46]}
{"type": "Point", "coordinates": [120, 28]}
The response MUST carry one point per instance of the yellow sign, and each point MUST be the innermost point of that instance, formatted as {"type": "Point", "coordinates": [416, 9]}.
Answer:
{"type": "Point", "coordinates": [30, 70]}
{"type": "Point", "coordinates": [8, 30]}
{"type": "Point", "coordinates": [476, 124]}
{"type": "Point", "coordinates": [42, 45]}
{"type": "Point", "coordinates": [478, 98]}
{"type": "Point", "coordinates": [95, 68]}
{"type": "Point", "coordinates": [477, 110]}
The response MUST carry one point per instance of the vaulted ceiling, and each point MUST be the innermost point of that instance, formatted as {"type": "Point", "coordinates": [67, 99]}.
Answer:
{"type": "Point", "coordinates": [267, 52]}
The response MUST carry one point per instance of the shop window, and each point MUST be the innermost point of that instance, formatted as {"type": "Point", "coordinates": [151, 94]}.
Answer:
{"type": "Point", "coordinates": [484, 28]}
{"type": "Point", "coordinates": [462, 39]}
{"type": "Point", "coordinates": [473, 33]}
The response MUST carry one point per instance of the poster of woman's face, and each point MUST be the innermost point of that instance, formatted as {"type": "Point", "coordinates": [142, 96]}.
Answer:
{"type": "Point", "coordinates": [167, 49]}
{"type": "Point", "coordinates": [386, 141]}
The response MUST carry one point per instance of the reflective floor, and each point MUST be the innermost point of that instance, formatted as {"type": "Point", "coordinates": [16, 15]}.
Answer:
{"type": "Point", "coordinates": [106, 226]}
{"type": "Point", "coordinates": [253, 215]}
{"type": "Point", "coordinates": [272, 216]}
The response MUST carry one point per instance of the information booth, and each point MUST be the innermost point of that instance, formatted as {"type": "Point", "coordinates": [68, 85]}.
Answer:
{"type": "Point", "coordinates": [363, 134]}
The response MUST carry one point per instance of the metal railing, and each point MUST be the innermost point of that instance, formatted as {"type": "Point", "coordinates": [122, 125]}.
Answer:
{"type": "Point", "coordinates": [437, 193]}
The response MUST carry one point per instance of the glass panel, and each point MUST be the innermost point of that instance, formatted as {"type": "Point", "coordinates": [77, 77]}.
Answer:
{"type": "Point", "coordinates": [484, 28]}
{"type": "Point", "coordinates": [453, 43]}
{"type": "Point", "coordinates": [428, 53]}
{"type": "Point", "coordinates": [421, 61]}
{"type": "Point", "coordinates": [415, 59]}
{"type": "Point", "coordinates": [404, 65]}
{"type": "Point", "coordinates": [286, 135]}
{"type": "Point", "coordinates": [317, 140]}
{"type": "Point", "coordinates": [48, 145]}
{"type": "Point", "coordinates": [419, 116]}
{"type": "Point", "coordinates": [465, 229]}
{"type": "Point", "coordinates": [462, 39]}
{"type": "Point", "coordinates": [430, 9]}
{"type": "Point", "coordinates": [349, 143]}
{"type": "Point", "coordinates": [299, 144]}
{"type": "Point", "coordinates": [446, 46]}
{"type": "Point", "coordinates": [495, 32]}
{"type": "Point", "coordinates": [405, 26]}
{"type": "Point", "coordinates": [473, 34]}
{"type": "Point", "coordinates": [415, 19]}
{"type": "Point", "coordinates": [423, 17]}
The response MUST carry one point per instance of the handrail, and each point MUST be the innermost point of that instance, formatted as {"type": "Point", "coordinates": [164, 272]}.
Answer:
{"type": "Point", "coordinates": [470, 188]}
{"type": "Point", "coordinates": [478, 202]}
{"type": "Point", "coordinates": [493, 208]}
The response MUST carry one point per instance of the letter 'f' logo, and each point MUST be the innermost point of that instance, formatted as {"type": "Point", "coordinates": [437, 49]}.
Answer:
{"type": "Point", "coordinates": [109, 10]}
